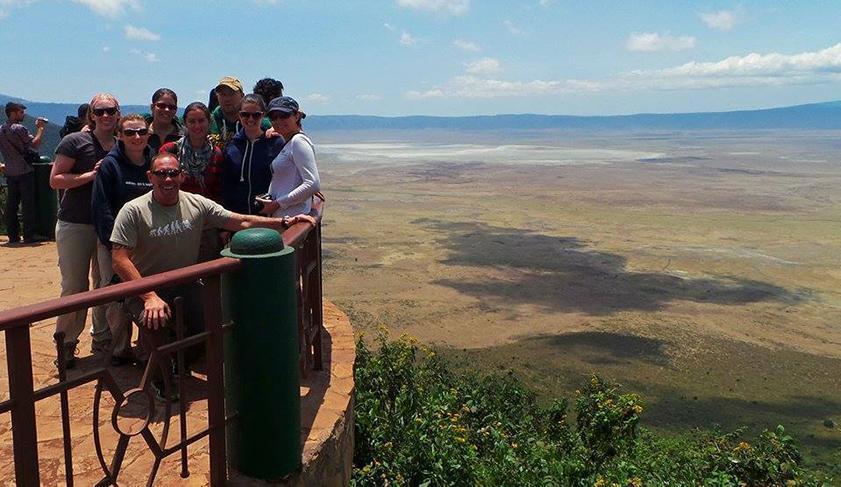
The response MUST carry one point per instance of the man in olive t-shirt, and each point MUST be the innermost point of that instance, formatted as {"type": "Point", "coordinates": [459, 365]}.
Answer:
{"type": "Point", "coordinates": [161, 231]}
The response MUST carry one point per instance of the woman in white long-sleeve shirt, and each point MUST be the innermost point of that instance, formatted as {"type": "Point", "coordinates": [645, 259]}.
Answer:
{"type": "Point", "coordinates": [294, 174]}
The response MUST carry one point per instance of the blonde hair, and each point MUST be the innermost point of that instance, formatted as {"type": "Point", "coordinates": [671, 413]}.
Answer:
{"type": "Point", "coordinates": [96, 99]}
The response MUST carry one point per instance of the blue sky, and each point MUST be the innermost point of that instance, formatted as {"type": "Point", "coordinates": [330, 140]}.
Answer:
{"type": "Point", "coordinates": [432, 57]}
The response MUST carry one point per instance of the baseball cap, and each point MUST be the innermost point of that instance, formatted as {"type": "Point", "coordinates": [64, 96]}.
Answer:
{"type": "Point", "coordinates": [285, 104]}
{"type": "Point", "coordinates": [12, 105]}
{"type": "Point", "coordinates": [231, 83]}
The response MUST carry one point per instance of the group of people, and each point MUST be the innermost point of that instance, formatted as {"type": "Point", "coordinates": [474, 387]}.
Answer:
{"type": "Point", "coordinates": [148, 194]}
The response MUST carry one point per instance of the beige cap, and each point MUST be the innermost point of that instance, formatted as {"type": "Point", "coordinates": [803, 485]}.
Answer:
{"type": "Point", "coordinates": [231, 83]}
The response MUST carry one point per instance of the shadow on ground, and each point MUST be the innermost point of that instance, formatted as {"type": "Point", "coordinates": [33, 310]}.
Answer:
{"type": "Point", "coordinates": [563, 274]}
{"type": "Point", "coordinates": [603, 348]}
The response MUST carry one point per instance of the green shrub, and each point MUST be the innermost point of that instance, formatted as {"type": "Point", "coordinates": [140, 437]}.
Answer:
{"type": "Point", "coordinates": [417, 423]}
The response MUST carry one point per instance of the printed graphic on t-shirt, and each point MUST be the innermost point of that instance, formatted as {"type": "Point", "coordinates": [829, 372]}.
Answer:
{"type": "Point", "coordinates": [172, 228]}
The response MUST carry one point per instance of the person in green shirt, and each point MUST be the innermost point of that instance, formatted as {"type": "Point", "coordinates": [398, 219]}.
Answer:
{"type": "Point", "coordinates": [224, 121]}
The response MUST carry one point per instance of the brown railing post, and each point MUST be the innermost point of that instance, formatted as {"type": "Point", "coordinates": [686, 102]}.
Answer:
{"type": "Point", "coordinates": [317, 297]}
{"type": "Point", "coordinates": [24, 431]}
{"type": "Point", "coordinates": [215, 380]}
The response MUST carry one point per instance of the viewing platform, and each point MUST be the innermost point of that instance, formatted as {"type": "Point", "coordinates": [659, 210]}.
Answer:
{"type": "Point", "coordinates": [84, 425]}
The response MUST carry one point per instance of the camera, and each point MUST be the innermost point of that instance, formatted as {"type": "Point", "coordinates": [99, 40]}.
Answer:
{"type": "Point", "coordinates": [257, 205]}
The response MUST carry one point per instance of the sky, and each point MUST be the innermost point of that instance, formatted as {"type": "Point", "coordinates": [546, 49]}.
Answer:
{"type": "Point", "coordinates": [432, 57]}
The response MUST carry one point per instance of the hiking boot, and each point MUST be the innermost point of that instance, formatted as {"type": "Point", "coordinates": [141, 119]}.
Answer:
{"type": "Point", "coordinates": [35, 239]}
{"type": "Point", "coordinates": [100, 346]}
{"type": "Point", "coordinates": [70, 351]}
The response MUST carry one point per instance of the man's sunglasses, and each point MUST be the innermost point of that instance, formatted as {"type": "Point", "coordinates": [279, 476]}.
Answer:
{"type": "Point", "coordinates": [278, 115]}
{"type": "Point", "coordinates": [133, 132]}
{"type": "Point", "coordinates": [102, 111]}
{"type": "Point", "coordinates": [162, 173]}
{"type": "Point", "coordinates": [166, 106]}
{"type": "Point", "coordinates": [250, 114]}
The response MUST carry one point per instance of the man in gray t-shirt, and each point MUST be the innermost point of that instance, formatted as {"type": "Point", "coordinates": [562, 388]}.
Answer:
{"type": "Point", "coordinates": [161, 231]}
{"type": "Point", "coordinates": [15, 140]}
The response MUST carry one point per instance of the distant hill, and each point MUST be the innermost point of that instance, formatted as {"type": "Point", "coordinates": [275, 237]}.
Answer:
{"type": "Point", "coordinates": [801, 117]}
{"type": "Point", "coordinates": [56, 112]}
{"type": "Point", "coordinates": [814, 116]}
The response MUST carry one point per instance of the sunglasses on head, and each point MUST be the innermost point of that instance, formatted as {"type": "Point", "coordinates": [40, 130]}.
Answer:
{"type": "Point", "coordinates": [102, 111]}
{"type": "Point", "coordinates": [162, 173]}
{"type": "Point", "coordinates": [278, 115]}
{"type": "Point", "coordinates": [133, 132]}
{"type": "Point", "coordinates": [250, 114]}
{"type": "Point", "coordinates": [166, 106]}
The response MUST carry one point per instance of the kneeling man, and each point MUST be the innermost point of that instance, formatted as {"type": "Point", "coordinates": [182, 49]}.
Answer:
{"type": "Point", "coordinates": [161, 231]}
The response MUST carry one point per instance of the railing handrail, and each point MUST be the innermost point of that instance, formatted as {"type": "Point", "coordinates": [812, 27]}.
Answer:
{"type": "Point", "coordinates": [25, 315]}
{"type": "Point", "coordinates": [47, 309]}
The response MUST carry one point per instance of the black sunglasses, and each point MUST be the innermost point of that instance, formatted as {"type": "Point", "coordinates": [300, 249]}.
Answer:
{"type": "Point", "coordinates": [166, 106]}
{"type": "Point", "coordinates": [278, 115]}
{"type": "Point", "coordinates": [250, 114]}
{"type": "Point", "coordinates": [133, 132]}
{"type": "Point", "coordinates": [162, 173]}
{"type": "Point", "coordinates": [102, 111]}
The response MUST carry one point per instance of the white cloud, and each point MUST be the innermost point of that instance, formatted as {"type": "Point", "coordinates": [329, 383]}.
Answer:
{"type": "Point", "coordinates": [415, 95]}
{"type": "Point", "coordinates": [811, 64]}
{"type": "Point", "coordinates": [652, 41]}
{"type": "Point", "coordinates": [317, 98]}
{"type": "Point", "coordinates": [9, 5]}
{"type": "Point", "coordinates": [483, 66]}
{"type": "Point", "coordinates": [148, 56]}
{"type": "Point", "coordinates": [448, 7]}
{"type": "Point", "coordinates": [466, 45]}
{"type": "Point", "coordinates": [110, 8]}
{"type": "Point", "coordinates": [720, 20]}
{"type": "Point", "coordinates": [407, 40]}
{"type": "Point", "coordinates": [201, 92]}
{"type": "Point", "coordinates": [750, 70]}
{"type": "Point", "coordinates": [475, 87]}
{"type": "Point", "coordinates": [389, 27]}
{"type": "Point", "coordinates": [106, 49]}
{"type": "Point", "coordinates": [140, 34]}
{"type": "Point", "coordinates": [513, 29]}
{"type": "Point", "coordinates": [369, 97]}
{"type": "Point", "coordinates": [15, 3]}
{"type": "Point", "coordinates": [545, 3]}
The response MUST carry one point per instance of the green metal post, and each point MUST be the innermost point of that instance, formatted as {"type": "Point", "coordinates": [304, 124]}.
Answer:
{"type": "Point", "coordinates": [262, 380]}
{"type": "Point", "coordinates": [46, 200]}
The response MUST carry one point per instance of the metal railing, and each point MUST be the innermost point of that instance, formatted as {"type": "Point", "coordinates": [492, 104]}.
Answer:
{"type": "Point", "coordinates": [16, 323]}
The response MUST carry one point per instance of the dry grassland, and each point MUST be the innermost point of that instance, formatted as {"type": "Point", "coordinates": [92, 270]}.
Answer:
{"type": "Point", "coordinates": [700, 269]}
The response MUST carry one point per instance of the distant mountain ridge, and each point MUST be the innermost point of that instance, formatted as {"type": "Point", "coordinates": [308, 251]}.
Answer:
{"type": "Point", "coordinates": [813, 116]}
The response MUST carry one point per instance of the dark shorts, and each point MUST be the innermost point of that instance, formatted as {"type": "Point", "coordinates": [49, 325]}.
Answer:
{"type": "Point", "coordinates": [192, 305]}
